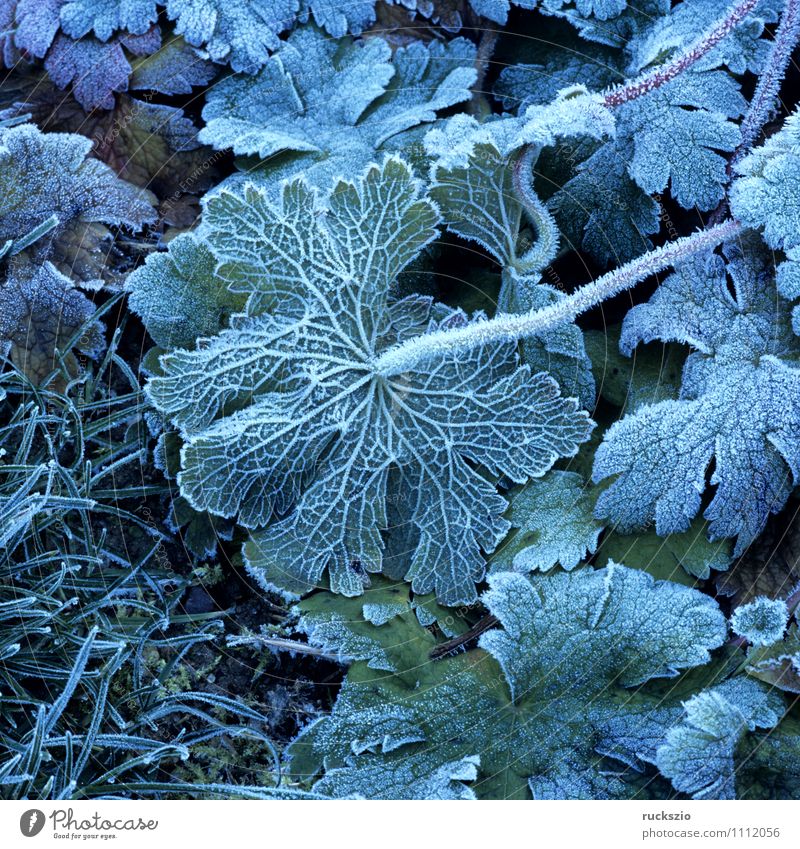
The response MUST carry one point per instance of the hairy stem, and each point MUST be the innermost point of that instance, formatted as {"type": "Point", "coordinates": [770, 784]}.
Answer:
{"type": "Point", "coordinates": [410, 355]}
{"type": "Point", "coordinates": [544, 251]}
{"type": "Point", "coordinates": [769, 82]}
{"type": "Point", "coordinates": [660, 76]}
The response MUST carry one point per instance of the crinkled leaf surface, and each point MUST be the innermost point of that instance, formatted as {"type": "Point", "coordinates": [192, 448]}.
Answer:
{"type": "Point", "coordinates": [179, 295]}
{"type": "Point", "coordinates": [766, 194]}
{"type": "Point", "coordinates": [45, 174]}
{"type": "Point", "coordinates": [240, 33]}
{"type": "Point", "coordinates": [286, 407]}
{"type": "Point", "coordinates": [761, 621]}
{"type": "Point", "coordinates": [175, 68]}
{"type": "Point", "coordinates": [742, 50]}
{"type": "Point", "coordinates": [553, 524]}
{"type": "Point", "coordinates": [105, 17]}
{"type": "Point", "coordinates": [677, 132]}
{"type": "Point", "coordinates": [739, 406]}
{"type": "Point", "coordinates": [554, 704]}
{"type": "Point", "coordinates": [699, 755]}
{"type": "Point", "coordinates": [478, 202]}
{"type": "Point", "coordinates": [672, 138]}
{"type": "Point", "coordinates": [95, 70]}
{"type": "Point", "coordinates": [40, 312]}
{"type": "Point", "coordinates": [329, 106]}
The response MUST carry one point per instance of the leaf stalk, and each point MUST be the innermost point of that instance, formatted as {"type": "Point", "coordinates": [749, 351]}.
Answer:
{"type": "Point", "coordinates": [506, 328]}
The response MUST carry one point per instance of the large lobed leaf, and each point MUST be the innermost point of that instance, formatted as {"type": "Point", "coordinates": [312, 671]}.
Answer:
{"type": "Point", "coordinates": [325, 107]}
{"type": "Point", "coordinates": [554, 704]}
{"type": "Point", "coordinates": [285, 416]}
{"type": "Point", "coordinates": [739, 406]}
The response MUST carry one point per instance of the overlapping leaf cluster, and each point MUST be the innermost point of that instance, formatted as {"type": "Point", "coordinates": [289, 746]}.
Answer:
{"type": "Point", "coordinates": [551, 535]}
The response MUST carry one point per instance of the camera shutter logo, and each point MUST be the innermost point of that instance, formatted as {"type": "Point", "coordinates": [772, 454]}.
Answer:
{"type": "Point", "coordinates": [31, 822]}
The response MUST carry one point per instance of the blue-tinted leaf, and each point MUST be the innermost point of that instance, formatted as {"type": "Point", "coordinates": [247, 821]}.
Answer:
{"type": "Point", "coordinates": [329, 106]}
{"type": "Point", "coordinates": [699, 755]}
{"type": "Point", "coordinates": [285, 407]}
{"type": "Point", "coordinates": [545, 707]}
{"type": "Point", "coordinates": [738, 406]}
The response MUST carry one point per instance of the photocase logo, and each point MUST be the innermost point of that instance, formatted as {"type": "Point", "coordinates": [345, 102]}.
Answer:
{"type": "Point", "coordinates": [31, 822]}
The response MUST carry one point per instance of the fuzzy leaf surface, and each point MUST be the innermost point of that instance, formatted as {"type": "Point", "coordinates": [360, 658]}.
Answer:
{"type": "Point", "coordinates": [327, 107]}
{"type": "Point", "coordinates": [553, 704]}
{"type": "Point", "coordinates": [738, 406]}
{"type": "Point", "coordinates": [284, 408]}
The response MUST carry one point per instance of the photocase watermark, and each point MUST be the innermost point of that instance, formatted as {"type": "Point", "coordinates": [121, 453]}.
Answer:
{"type": "Point", "coordinates": [62, 824]}
{"type": "Point", "coordinates": [32, 822]}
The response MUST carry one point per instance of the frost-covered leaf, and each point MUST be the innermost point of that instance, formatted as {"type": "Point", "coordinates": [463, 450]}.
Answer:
{"type": "Point", "coordinates": [743, 50]}
{"type": "Point", "coordinates": [681, 557]}
{"type": "Point", "coordinates": [240, 33]}
{"type": "Point", "coordinates": [561, 62]}
{"type": "Point", "coordinates": [575, 113]}
{"type": "Point", "coordinates": [37, 22]}
{"type": "Point", "coordinates": [40, 313]}
{"type": "Point", "coordinates": [552, 524]}
{"type": "Point", "coordinates": [765, 195]}
{"type": "Point", "coordinates": [545, 707]}
{"type": "Point", "coordinates": [603, 210]}
{"type": "Point", "coordinates": [699, 755]}
{"type": "Point", "coordinates": [95, 70]}
{"type": "Point", "coordinates": [479, 203]}
{"type": "Point", "coordinates": [179, 296]}
{"type": "Point", "coordinates": [339, 17]}
{"type": "Point", "coordinates": [287, 408]}
{"type": "Point", "coordinates": [351, 628]}
{"type": "Point", "coordinates": [105, 17]}
{"type": "Point", "coordinates": [325, 108]}
{"type": "Point", "coordinates": [46, 174]}
{"type": "Point", "coordinates": [679, 132]}
{"type": "Point", "coordinates": [151, 145]}
{"type": "Point", "coordinates": [778, 664]}
{"type": "Point", "coordinates": [739, 406]}
{"type": "Point", "coordinates": [175, 68]}
{"type": "Point", "coordinates": [761, 621]}
{"type": "Point", "coordinates": [672, 138]}
{"type": "Point", "coordinates": [609, 22]}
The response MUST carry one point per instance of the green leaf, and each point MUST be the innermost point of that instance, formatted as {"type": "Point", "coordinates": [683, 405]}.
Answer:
{"type": "Point", "coordinates": [546, 706]}
{"type": "Point", "coordinates": [179, 295]}
{"type": "Point", "coordinates": [284, 413]}
{"type": "Point", "coordinates": [553, 523]}
{"type": "Point", "coordinates": [325, 108]}
{"type": "Point", "coordinates": [681, 557]}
